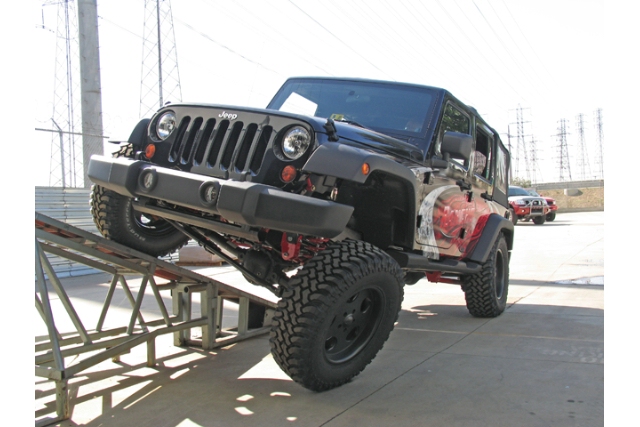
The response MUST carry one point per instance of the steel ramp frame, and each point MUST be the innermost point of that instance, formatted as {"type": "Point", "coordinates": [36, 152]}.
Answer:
{"type": "Point", "coordinates": [97, 345]}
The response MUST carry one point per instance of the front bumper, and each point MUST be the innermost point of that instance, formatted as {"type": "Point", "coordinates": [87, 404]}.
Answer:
{"type": "Point", "coordinates": [239, 202]}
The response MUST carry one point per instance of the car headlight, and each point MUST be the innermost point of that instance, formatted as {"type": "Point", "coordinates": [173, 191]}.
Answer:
{"type": "Point", "coordinates": [165, 125]}
{"type": "Point", "coordinates": [296, 142]}
{"type": "Point", "coordinates": [521, 202]}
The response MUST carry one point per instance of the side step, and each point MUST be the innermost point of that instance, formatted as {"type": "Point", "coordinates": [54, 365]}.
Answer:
{"type": "Point", "coordinates": [413, 262]}
{"type": "Point", "coordinates": [87, 347]}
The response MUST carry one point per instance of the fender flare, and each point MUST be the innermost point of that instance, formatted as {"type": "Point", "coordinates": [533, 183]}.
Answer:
{"type": "Point", "coordinates": [139, 134]}
{"type": "Point", "coordinates": [345, 162]}
{"type": "Point", "coordinates": [495, 225]}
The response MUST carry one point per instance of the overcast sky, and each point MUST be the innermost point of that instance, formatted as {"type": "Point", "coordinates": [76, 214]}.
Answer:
{"type": "Point", "coordinates": [543, 56]}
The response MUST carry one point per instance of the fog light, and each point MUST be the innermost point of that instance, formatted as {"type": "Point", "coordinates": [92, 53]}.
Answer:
{"type": "Point", "coordinates": [209, 193]}
{"type": "Point", "coordinates": [148, 179]}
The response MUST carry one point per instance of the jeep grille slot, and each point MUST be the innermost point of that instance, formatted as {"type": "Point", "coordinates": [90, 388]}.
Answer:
{"type": "Point", "coordinates": [177, 143]}
{"type": "Point", "coordinates": [216, 143]}
{"type": "Point", "coordinates": [190, 136]}
{"type": "Point", "coordinates": [261, 148]}
{"type": "Point", "coordinates": [230, 146]}
{"type": "Point", "coordinates": [203, 141]}
{"type": "Point", "coordinates": [245, 147]}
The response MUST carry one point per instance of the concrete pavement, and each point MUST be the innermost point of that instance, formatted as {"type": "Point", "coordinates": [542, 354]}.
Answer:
{"type": "Point", "coordinates": [541, 363]}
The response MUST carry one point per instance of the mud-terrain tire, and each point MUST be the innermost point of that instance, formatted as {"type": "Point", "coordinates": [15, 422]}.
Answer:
{"type": "Point", "coordinates": [116, 220]}
{"type": "Point", "coordinates": [551, 216]}
{"type": "Point", "coordinates": [539, 220]}
{"type": "Point", "coordinates": [337, 315]}
{"type": "Point", "coordinates": [486, 291]}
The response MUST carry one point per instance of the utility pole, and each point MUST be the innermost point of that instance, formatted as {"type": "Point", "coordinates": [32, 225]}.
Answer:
{"type": "Point", "coordinates": [91, 94]}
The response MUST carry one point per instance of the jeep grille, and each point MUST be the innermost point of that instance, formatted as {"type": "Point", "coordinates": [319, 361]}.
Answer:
{"type": "Point", "coordinates": [220, 147]}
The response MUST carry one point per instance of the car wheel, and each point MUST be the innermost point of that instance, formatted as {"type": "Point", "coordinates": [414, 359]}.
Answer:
{"type": "Point", "coordinates": [486, 292]}
{"type": "Point", "coordinates": [514, 217]}
{"type": "Point", "coordinates": [551, 216]}
{"type": "Point", "coordinates": [337, 315]}
{"type": "Point", "coordinates": [539, 220]}
{"type": "Point", "coordinates": [116, 220]}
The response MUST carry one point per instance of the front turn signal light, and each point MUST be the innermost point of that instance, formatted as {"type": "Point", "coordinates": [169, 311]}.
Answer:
{"type": "Point", "coordinates": [288, 174]}
{"type": "Point", "coordinates": [150, 151]}
{"type": "Point", "coordinates": [365, 169]}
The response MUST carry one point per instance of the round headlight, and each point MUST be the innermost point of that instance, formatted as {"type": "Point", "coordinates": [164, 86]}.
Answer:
{"type": "Point", "coordinates": [296, 142]}
{"type": "Point", "coordinates": [166, 124]}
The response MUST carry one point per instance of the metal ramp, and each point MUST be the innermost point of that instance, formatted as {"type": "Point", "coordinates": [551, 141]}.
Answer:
{"type": "Point", "coordinates": [90, 346]}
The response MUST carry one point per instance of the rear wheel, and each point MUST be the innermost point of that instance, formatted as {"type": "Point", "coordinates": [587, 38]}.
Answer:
{"type": "Point", "coordinates": [514, 217]}
{"type": "Point", "coordinates": [337, 315]}
{"type": "Point", "coordinates": [486, 291]}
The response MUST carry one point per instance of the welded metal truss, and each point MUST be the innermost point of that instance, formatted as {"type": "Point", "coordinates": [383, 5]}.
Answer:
{"type": "Point", "coordinates": [97, 345]}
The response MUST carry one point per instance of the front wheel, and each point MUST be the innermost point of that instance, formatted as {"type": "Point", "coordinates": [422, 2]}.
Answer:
{"type": "Point", "coordinates": [116, 220]}
{"type": "Point", "coordinates": [539, 220]}
{"type": "Point", "coordinates": [486, 291]}
{"type": "Point", "coordinates": [337, 315]}
{"type": "Point", "coordinates": [551, 216]}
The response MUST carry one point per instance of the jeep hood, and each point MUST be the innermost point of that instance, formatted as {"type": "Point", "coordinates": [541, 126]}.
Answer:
{"type": "Point", "coordinates": [357, 136]}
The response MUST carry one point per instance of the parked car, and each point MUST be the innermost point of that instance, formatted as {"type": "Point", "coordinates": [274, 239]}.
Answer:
{"type": "Point", "coordinates": [553, 207]}
{"type": "Point", "coordinates": [525, 207]}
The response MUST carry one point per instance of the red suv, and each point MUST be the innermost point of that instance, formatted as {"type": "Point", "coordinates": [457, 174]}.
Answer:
{"type": "Point", "coordinates": [524, 206]}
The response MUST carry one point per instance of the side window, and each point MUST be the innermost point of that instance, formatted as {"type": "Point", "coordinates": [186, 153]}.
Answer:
{"type": "Point", "coordinates": [455, 120]}
{"type": "Point", "coordinates": [483, 153]}
{"type": "Point", "coordinates": [502, 168]}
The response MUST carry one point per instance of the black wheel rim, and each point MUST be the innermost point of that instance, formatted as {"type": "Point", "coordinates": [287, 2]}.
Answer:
{"type": "Point", "coordinates": [354, 323]}
{"type": "Point", "coordinates": [150, 226]}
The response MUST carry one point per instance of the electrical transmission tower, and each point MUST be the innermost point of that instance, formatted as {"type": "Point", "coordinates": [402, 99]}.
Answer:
{"type": "Point", "coordinates": [160, 81]}
{"type": "Point", "coordinates": [583, 157]}
{"type": "Point", "coordinates": [600, 138]}
{"type": "Point", "coordinates": [533, 160]}
{"type": "Point", "coordinates": [564, 168]}
{"type": "Point", "coordinates": [521, 153]}
{"type": "Point", "coordinates": [66, 144]}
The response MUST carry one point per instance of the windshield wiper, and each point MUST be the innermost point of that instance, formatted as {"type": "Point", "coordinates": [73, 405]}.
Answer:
{"type": "Point", "coordinates": [351, 122]}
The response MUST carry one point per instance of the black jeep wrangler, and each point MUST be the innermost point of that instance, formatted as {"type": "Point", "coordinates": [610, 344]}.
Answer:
{"type": "Point", "coordinates": [334, 197]}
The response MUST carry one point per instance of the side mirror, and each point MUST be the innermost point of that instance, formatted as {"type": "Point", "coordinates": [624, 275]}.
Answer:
{"type": "Point", "coordinates": [457, 145]}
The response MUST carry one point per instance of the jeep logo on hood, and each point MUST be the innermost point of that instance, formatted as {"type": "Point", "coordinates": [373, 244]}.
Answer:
{"type": "Point", "coordinates": [225, 115]}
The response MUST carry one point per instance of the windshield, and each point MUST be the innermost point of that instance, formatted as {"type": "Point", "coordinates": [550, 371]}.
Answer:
{"type": "Point", "coordinates": [517, 191]}
{"type": "Point", "coordinates": [374, 105]}
{"type": "Point", "coordinates": [533, 193]}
